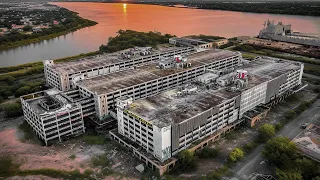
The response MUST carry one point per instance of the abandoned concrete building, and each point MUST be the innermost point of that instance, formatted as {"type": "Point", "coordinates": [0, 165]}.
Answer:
{"type": "Point", "coordinates": [161, 101]}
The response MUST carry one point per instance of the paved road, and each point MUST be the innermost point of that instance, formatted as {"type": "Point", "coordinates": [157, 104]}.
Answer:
{"type": "Point", "coordinates": [253, 163]}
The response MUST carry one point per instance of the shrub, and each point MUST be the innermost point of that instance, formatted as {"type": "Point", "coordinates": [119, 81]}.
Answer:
{"type": "Point", "coordinates": [208, 153]}
{"type": "Point", "coordinates": [290, 115]}
{"type": "Point", "coordinates": [266, 132]}
{"type": "Point", "coordinates": [278, 126]}
{"type": "Point", "coordinates": [72, 156]}
{"type": "Point", "coordinates": [249, 147]}
{"type": "Point", "coordinates": [23, 91]}
{"type": "Point", "coordinates": [12, 110]}
{"type": "Point", "coordinates": [88, 172]}
{"type": "Point", "coordinates": [286, 175]}
{"type": "Point", "coordinates": [236, 155]}
{"type": "Point", "coordinates": [217, 174]}
{"type": "Point", "coordinates": [186, 162]}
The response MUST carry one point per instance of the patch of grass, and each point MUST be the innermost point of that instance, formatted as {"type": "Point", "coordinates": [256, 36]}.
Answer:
{"type": "Point", "coordinates": [88, 172]}
{"type": "Point", "coordinates": [27, 131]}
{"type": "Point", "coordinates": [8, 168]}
{"type": "Point", "coordinates": [100, 160]}
{"type": "Point", "coordinates": [75, 174]}
{"type": "Point", "coordinates": [93, 140]}
{"type": "Point", "coordinates": [248, 56]}
{"type": "Point", "coordinates": [72, 156]}
{"type": "Point", "coordinates": [217, 174]}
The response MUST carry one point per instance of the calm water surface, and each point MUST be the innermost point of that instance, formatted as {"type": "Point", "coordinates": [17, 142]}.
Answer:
{"type": "Point", "coordinates": [178, 21]}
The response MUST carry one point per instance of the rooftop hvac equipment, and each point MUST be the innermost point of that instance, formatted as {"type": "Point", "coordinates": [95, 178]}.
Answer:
{"type": "Point", "coordinates": [241, 84]}
{"type": "Point", "coordinates": [242, 74]}
{"type": "Point", "coordinates": [178, 58]}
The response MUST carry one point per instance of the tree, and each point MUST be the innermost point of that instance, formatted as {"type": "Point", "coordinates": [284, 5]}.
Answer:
{"type": "Point", "coordinates": [266, 132]}
{"type": "Point", "coordinates": [27, 28]}
{"type": "Point", "coordinates": [12, 110]}
{"type": "Point", "coordinates": [187, 161]}
{"type": "Point", "coordinates": [22, 91]}
{"type": "Point", "coordinates": [236, 154]}
{"type": "Point", "coordinates": [280, 151]}
{"type": "Point", "coordinates": [288, 175]}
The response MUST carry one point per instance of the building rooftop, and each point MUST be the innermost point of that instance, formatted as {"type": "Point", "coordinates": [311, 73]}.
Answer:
{"type": "Point", "coordinates": [102, 60]}
{"type": "Point", "coordinates": [270, 67]}
{"type": "Point", "coordinates": [50, 102]}
{"type": "Point", "coordinates": [168, 107]}
{"type": "Point", "coordinates": [123, 79]}
{"type": "Point", "coordinates": [171, 107]}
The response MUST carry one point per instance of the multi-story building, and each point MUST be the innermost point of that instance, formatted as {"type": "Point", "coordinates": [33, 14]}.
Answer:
{"type": "Point", "coordinates": [62, 75]}
{"type": "Point", "coordinates": [150, 79]}
{"type": "Point", "coordinates": [95, 91]}
{"type": "Point", "coordinates": [55, 115]}
{"type": "Point", "coordinates": [185, 41]}
{"type": "Point", "coordinates": [160, 126]}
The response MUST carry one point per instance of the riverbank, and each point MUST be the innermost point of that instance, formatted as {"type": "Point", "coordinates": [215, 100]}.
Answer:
{"type": "Point", "coordinates": [39, 30]}
{"type": "Point", "coordinates": [10, 45]}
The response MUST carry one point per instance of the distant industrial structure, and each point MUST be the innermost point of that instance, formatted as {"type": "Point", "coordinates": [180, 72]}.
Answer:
{"type": "Point", "coordinates": [161, 101]}
{"type": "Point", "coordinates": [281, 32]}
{"type": "Point", "coordinates": [197, 43]}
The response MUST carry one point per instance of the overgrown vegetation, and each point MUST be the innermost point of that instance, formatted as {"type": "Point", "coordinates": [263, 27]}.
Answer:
{"type": "Point", "coordinates": [266, 132]}
{"type": "Point", "coordinates": [27, 78]}
{"type": "Point", "coordinates": [207, 38]}
{"type": "Point", "coordinates": [217, 174]}
{"type": "Point", "coordinates": [207, 152]}
{"type": "Point", "coordinates": [94, 139]}
{"type": "Point", "coordinates": [129, 39]}
{"type": "Point", "coordinates": [283, 154]}
{"type": "Point", "coordinates": [12, 109]}
{"type": "Point", "coordinates": [72, 156]}
{"type": "Point", "coordinates": [235, 155]}
{"type": "Point", "coordinates": [8, 168]}
{"type": "Point", "coordinates": [186, 162]}
{"type": "Point", "coordinates": [100, 160]}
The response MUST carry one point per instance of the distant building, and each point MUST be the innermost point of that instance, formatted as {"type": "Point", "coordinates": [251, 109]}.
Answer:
{"type": "Point", "coordinates": [186, 41]}
{"type": "Point", "coordinates": [220, 42]}
{"type": "Point", "coordinates": [281, 32]}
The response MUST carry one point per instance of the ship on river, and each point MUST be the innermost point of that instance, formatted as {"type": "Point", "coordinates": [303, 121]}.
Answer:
{"type": "Point", "coordinates": [281, 32]}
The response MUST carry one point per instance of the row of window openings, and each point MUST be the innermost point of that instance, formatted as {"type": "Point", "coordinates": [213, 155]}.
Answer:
{"type": "Point", "coordinates": [138, 138]}
{"type": "Point", "coordinates": [137, 130]}
{"type": "Point", "coordinates": [137, 122]}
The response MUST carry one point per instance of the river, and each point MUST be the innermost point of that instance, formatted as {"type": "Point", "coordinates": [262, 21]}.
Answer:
{"type": "Point", "coordinates": [178, 21]}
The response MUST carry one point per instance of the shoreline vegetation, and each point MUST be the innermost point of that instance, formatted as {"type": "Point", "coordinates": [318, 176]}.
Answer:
{"type": "Point", "coordinates": [16, 39]}
{"type": "Point", "coordinates": [303, 8]}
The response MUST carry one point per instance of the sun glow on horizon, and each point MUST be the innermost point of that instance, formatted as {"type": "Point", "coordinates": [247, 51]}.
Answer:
{"type": "Point", "coordinates": [124, 7]}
